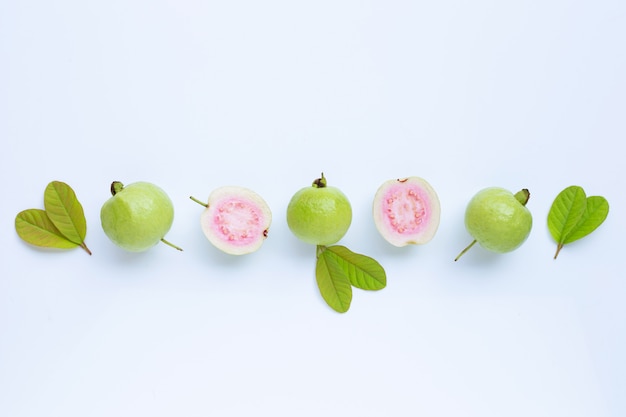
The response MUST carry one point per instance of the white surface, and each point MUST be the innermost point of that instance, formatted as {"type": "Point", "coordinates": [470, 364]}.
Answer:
{"type": "Point", "coordinates": [193, 95]}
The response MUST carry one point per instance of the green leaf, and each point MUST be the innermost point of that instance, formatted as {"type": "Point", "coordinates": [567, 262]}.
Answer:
{"type": "Point", "coordinates": [332, 281]}
{"type": "Point", "coordinates": [566, 211]}
{"type": "Point", "coordinates": [66, 212]}
{"type": "Point", "coordinates": [573, 216]}
{"type": "Point", "coordinates": [34, 227]}
{"type": "Point", "coordinates": [595, 213]}
{"type": "Point", "coordinates": [362, 271]}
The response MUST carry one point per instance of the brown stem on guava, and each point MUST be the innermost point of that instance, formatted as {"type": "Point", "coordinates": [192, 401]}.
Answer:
{"type": "Point", "coordinates": [320, 182]}
{"type": "Point", "coordinates": [116, 187]}
{"type": "Point", "coordinates": [319, 251]}
{"type": "Point", "coordinates": [198, 201]}
{"type": "Point", "coordinates": [171, 244]}
{"type": "Point", "coordinates": [522, 196]}
{"type": "Point", "coordinates": [465, 250]}
{"type": "Point", "coordinates": [558, 249]}
{"type": "Point", "coordinates": [84, 246]}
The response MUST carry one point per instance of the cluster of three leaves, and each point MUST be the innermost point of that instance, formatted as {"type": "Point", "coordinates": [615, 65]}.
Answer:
{"type": "Point", "coordinates": [61, 225]}
{"type": "Point", "coordinates": [338, 269]}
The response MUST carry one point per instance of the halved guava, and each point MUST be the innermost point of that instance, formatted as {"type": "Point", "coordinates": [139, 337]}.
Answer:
{"type": "Point", "coordinates": [406, 211]}
{"type": "Point", "coordinates": [236, 220]}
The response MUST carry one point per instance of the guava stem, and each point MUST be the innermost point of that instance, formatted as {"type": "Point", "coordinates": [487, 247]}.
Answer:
{"type": "Point", "coordinates": [465, 250]}
{"type": "Point", "coordinates": [558, 249]}
{"type": "Point", "coordinates": [320, 250]}
{"type": "Point", "coordinates": [198, 201]}
{"type": "Point", "coordinates": [523, 196]}
{"type": "Point", "coordinates": [171, 244]}
{"type": "Point", "coordinates": [116, 187]}
{"type": "Point", "coordinates": [320, 182]}
{"type": "Point", "coordinates": [84, 246]}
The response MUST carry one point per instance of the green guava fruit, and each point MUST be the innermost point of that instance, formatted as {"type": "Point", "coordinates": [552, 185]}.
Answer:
{"type": "Point", "coordinates": [236, 220]}
{"type": "Point", "coordinates": [498, 219]}
{"type": "Point", "coordinates": [137, 216]}
{"type": "Point", "coordinates": [319, 214]}
{"type": "Point", "coordinates": [406, 211]}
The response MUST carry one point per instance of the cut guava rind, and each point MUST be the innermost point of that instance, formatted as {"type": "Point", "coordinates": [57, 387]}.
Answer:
{"type": "Point", "coordinates": [406, 211]}
{"type": "Point", "coordinates": [236, 220]}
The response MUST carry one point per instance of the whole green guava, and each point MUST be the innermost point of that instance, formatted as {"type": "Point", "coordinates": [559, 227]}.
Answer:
{"type": "Point", "coordinates": [319, 214]}
{"type": "Point", "coordinates": [498, 219]}
{"type": "Point", "coordinates": [137, 216]}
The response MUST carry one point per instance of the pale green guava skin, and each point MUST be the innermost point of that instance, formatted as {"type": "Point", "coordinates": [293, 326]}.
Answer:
{"type": "Point", "coordinates": [497, 220]}
{"type": "Point", "coordinates": [319, 215]}
{"type": "Point", "coordinates": [137, 217]}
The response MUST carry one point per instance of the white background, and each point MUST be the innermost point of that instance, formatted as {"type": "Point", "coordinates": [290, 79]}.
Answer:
{"type": "Point", "coordinates": [192, 95]}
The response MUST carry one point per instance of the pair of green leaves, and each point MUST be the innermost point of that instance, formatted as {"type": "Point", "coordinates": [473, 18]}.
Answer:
{"type": "Point", "coordinates": [61, 225]}
{"type": "Point", "coordinates": [338, 269]}
{"type": "Point", "coordinates": [573, 215]}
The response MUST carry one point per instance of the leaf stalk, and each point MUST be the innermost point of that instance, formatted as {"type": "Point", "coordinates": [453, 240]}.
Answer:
{"type": "Point", "coordinates": [84, 246]}
{"type": "Point", "coordinates": [558, 249]}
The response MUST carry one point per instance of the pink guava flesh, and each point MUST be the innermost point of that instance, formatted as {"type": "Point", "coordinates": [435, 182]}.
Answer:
{"type": "Point", "coordinates": [236, 220]}
{"type": "Point", "coordinates": [406, 211]}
